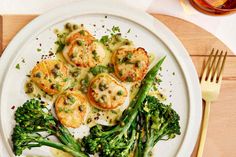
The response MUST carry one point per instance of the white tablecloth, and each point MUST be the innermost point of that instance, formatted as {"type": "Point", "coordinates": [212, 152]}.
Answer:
{"type": "Point", "coordinates": [224, 27]}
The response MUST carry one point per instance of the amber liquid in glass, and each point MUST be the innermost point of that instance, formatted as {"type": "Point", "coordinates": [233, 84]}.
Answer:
{"type": "Point", "coordinates": [215, 7]}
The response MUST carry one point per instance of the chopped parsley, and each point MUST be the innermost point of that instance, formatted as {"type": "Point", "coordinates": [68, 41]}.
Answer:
{"type": "Point", "coordinates": [57, 86]}
{"type": "Point", "coordinates": [60, 45]}
{"type": "Point", "coordinates": [129, 79]}
{"type": "Point", "coordinates": [17, 66]}
{"type": "Point", "coordinates": [84, 84]}
{"type": "Point", "coordinates": [101, 69]}
{"type": "Point", "coordinates": [66, 110]}
{"type": "Point", "coordinates": [95, 56]}
{"type": "Point", "coordinates": [71, 99]}
{"type": "Point", "coordinates": [115, 29]}
{"type": "Point", "coordinates": [79, 42]}
{"type": "Point", "coordinates": [120, 72]}
{"type": "Point", "coordinates": [66, 79]}
{"type": "Point", "coordinates": [114, 112]}
{"type": "Point", "coordinates": [104, 39]}
{"type": "Point", "coordinates": [39, 50]}
{"type": "Point", "coordinates": [129, 55]}
{"type": "Point", "coordinates": [82, 32]}
{"type": "Point", "coordinates": [157, 80]}
{"type": "Point", "coordinates": [129, 31]}
{"type": "Point", "coordinates": [61, 41]}
{"type": "Point", "coordinates": [60, 109]}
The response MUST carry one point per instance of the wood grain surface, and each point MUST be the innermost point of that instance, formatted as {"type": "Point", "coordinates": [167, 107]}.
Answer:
{"type": "Point", "coordinates": [221, 138]}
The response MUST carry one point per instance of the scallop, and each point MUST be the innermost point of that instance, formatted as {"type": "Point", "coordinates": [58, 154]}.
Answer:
{"type": "Point", "coordinates": [106, 93]}
{"type": "Point", "coordinates": [50, 75]}
{"type": "Point", "coordinates": [83, 50]}
{"type": "Point", "coordinates": [71, 108]}
{"type": "Point", "coordinates": [130, 64]}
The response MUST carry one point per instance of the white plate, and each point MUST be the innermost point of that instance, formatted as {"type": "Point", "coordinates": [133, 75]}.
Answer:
{"type": "Point", "coordinates": [146, 32]}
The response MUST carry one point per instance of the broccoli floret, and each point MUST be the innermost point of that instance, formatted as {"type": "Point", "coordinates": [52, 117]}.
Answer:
{"type": "Point", "coordinates": [112, 143]}
{"type": "Point", "coordinates": [161, 122]}
{"type": "Point", "coordinates": [33, 119]}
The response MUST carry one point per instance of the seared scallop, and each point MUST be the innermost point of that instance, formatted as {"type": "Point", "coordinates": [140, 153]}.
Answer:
{"type": "Point", "coordinates": [71, 108]}
{"type": "Point", "coordinates": [130, 64]}
{"type": "Point", "coordinates": [50, 76]}
{"type": "Point", "coordinates": [106, 93]}
{"type": "Point", "coordinates": [83, 50]}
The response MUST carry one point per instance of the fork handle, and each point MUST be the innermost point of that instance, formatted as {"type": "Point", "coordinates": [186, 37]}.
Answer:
{"type": "Point", "coordinates": [204, 129]}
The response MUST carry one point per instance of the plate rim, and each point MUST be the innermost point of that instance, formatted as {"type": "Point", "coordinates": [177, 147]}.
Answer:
{"type": "Point", "coordinates": [163, 33]}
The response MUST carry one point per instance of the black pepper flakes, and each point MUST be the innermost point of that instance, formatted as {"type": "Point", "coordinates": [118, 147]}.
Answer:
{"type": "Point", "coordinates": [50, 53]}
{"type": "Point", "coordinates": [81, 108]}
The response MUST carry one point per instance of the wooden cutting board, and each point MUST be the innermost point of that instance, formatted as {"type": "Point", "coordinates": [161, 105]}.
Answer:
{"type": "Point", "coordinates": [222, 125]}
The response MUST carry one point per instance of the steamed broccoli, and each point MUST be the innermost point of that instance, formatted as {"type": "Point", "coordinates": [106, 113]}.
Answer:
{"type": "Point", "coordinates": [32, 121]}
{"type": "Point", "coordinates": [160, 122]}
{"type": "Point", "coordinates": [119, 140]}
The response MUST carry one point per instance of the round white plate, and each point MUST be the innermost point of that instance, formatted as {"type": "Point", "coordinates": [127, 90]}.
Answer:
{"type": "Point", "coordinates": [180, 80]}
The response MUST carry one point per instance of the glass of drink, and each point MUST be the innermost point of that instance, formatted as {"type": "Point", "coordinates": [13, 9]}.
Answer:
{"type": "Point", "coordinates": [215, 7]}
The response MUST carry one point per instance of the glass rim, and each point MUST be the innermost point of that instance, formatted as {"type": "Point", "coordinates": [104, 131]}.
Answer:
{"type": "Point", "coordinates": [213, 7]}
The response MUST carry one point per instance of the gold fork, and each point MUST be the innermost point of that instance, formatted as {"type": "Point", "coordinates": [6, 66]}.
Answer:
{"type": "Point", "coordinates": [210, 85]}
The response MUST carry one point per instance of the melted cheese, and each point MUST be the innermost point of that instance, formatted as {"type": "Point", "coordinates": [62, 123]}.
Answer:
{"type": "Point", "coordinates": [59, 153]}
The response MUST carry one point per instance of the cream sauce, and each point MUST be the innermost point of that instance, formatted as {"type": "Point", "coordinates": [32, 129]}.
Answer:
{"type": "Point", "coordinates": [59, 153]}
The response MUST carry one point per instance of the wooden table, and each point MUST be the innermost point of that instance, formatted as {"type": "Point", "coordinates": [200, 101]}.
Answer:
{"type": "Point", "coordinates": [221, 138]}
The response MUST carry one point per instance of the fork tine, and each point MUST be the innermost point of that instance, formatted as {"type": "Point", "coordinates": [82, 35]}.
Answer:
{"type": "Point", "coordinates": [212, 66]}
{"type": "Point", "coordinates": [207, 65]}
{"type": "Point", "coordinates": [222, 68]}
{"type": "Point", "coordinates": [217, 67]}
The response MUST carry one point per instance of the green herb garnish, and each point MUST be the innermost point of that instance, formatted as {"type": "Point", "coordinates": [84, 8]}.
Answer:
{"type": "Point", "coordinates": [115, 29]}
{"type": "Point", "coordinates": [17, 66]}
{"type": "Point", "coordinates": [82, 32]}
{"type": "Point", "coordinates": [95, 56]}
{"type": "Point", "coordinates": [79, 42]}
{"type": "Point", "coordinates": [101, 69]}
{"type": "Point", "coordinates": [60, 45]}
{"type": "Point", "coordinates": [104, 39]}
